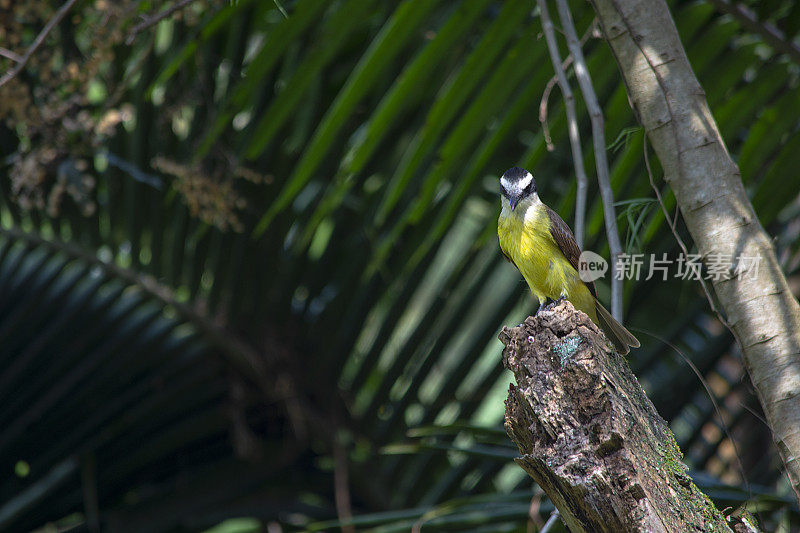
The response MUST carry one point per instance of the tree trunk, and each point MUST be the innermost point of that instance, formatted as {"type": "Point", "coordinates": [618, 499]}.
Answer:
{"type": "Point", "coordinates": [671, 106]}
{"type": "Point", "coordinates": [590, 437]}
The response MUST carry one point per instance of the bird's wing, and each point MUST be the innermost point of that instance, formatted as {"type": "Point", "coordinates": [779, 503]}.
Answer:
{"type": "Point", "coordinates": [565, 241]}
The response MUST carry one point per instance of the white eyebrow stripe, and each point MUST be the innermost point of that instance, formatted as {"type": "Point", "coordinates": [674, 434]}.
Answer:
{"type": "Point", "coordinates": [524, 182]}
{"type": "Point", "coordinates": [504, 182]}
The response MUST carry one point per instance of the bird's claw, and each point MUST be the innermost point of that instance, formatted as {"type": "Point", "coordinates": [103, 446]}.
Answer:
{"type": "Point", "coordinates": [555, 302]}
{"type": "Point", "coordinates": [547, 306]}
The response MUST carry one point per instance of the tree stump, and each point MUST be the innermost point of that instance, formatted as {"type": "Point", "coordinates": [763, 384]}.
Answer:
{"type": "Point", "coordinates": [591, 438]}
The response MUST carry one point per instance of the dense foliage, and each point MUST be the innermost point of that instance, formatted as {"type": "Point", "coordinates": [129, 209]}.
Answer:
{"type": "Point", "coordinates": [248, 263]}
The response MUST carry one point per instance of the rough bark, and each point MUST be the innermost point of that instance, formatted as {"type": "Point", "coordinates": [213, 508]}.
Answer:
{"type": "Point", "coordinates": [590, 437]}
{"type": "Point", "coordinates": [671, 106]}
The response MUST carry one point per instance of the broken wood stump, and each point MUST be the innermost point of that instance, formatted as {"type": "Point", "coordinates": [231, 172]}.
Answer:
{"type": "Point", "coordinates": [591, 438]}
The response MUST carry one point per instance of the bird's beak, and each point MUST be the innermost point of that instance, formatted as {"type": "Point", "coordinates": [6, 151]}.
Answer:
{"type": "Point", "coordinates": [514, 200]}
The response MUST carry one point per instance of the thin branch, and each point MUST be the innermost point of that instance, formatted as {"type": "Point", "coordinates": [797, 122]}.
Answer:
{"type": "Point", "coordinates": [13, 56]}
{"type": "Point", "coordinates": [574, 135]}
{"type": "Point", "coordinates": [772, 35]}
{"type": "Point", "coordinates": [534, 520]}
{"type": "Point", "coordinates": [341, 486]}
{"type": "Point", "coordinates": [548, 140]}
{"type": "Point", "coordinates": [555, 516]}
{"type": "Point", "coordinates": [155, 19]}
{"type": "Point", "coordinates": [672, 226]}
{"type": "Point", "coordinates": [714, 403]}
{"type": "Point", "coordinates": [543, 105]}
{"type": "Point", "coordinates": [601, 161]}
{"type": "Point", "coordinates": [23, 60]}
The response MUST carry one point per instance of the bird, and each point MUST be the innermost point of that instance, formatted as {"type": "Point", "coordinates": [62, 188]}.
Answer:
{"type": "Point", "coordinates": [542, 247]}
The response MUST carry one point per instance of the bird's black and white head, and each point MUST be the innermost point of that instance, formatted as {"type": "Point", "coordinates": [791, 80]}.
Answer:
{"type": "Point", "coordinates": [517, 185]}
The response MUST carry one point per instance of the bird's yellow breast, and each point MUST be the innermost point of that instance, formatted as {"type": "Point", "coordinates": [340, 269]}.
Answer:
{"type": "Point", "coordinates": [525, 237]}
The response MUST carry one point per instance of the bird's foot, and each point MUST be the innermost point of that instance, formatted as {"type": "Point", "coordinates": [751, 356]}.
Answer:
{"type": "Point", "coordinates": [555, 302]}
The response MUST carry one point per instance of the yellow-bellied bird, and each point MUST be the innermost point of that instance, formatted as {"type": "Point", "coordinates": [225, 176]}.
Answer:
{"type": "Point", "coordinates": [535, 239]}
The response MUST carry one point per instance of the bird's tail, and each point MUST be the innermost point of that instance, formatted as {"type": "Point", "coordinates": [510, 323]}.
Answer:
{"type": "Point", "coordinates": [620, 337]}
